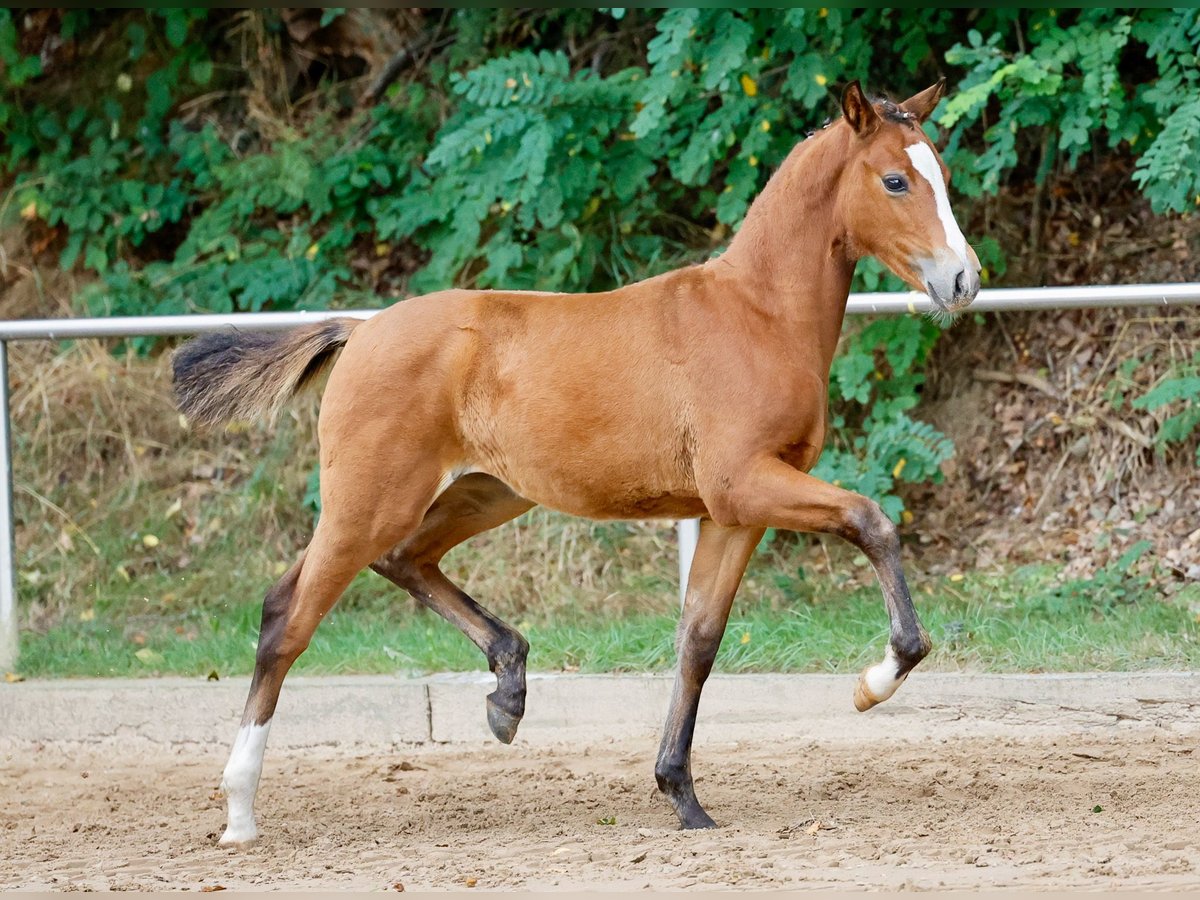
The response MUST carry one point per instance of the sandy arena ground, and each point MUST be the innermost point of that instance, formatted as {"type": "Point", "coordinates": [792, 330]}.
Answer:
{"type": "Point", "coordinates": [958, 813]}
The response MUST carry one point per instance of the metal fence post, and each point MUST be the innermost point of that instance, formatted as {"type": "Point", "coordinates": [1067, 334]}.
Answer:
{"type": "Point", "coordinates": [8, 569]}
{"type": "Point", "coordinates": [689, 536]}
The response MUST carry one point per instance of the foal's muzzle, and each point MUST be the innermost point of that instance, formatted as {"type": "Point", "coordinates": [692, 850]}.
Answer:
{"type": "Point", "coordinates": [950, 285]}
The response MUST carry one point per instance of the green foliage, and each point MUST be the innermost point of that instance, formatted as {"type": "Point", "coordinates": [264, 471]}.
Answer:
{"type": "Point", "coordinates": [874, 443]}
{"type": "Point", "coordinates": [562, 149]}
{"type": "Point", "coordinates": [1069, 87]}
{"type": "Point", "coordinates": [529, 185]}
{"type": "Point", "coordinates": [1182, 391]}
{"type": "Point", "coordinates": [103, 214]}
{"type": "Point", "coordinates": [267, 229]}
{"type": "Point", "coordinates": [18, 67]}
{"type": "Point", "coordinates": [1169, 172]}
{"type": "Point", "coordinates": [1111, 587]}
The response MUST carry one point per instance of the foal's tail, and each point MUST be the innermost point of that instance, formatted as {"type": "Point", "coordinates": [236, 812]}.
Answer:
{"type": "Point", "coordinates": [238, 376]}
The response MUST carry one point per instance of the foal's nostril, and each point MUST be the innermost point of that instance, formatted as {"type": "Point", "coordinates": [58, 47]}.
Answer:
{"type": "Point", "coordinates": [960, 283]}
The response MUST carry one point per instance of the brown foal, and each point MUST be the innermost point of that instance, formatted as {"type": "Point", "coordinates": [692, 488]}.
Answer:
{"type": "Point", "coordinates": [701, 392]}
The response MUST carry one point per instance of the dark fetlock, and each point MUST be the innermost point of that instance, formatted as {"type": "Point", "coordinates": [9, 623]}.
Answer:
{"type": "Point", "coordinates": [506, 704]}
{"type": "Point", "coordinates": [676, 785]}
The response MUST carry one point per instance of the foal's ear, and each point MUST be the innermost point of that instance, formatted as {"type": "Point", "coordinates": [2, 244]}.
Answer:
{"type": "Point", "coordinates": [858, 110]}
{"type": "Point", "coordinates": [922, 104]}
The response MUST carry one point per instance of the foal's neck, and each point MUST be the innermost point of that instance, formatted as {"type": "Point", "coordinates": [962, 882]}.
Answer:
{"type": "Point", "coordinates": [791, 248]}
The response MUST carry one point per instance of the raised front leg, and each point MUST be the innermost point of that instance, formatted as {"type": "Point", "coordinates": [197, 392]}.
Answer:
{"type": "Point", "coordinates": [773, 494]}
{"type": "Point", "coordinates": [721, 557]}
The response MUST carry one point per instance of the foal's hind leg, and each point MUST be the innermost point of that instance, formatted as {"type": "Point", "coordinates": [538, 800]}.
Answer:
{"type": "Point", "coordinates": [349, 535]}
{"type": "Point", "coordinates": [473, 504]}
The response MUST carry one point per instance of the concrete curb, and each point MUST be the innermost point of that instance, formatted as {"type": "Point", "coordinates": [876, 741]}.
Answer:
{"type": "Point", "coordinates": [372, 711]}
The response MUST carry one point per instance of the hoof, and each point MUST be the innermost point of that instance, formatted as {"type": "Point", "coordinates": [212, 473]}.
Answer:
{"type": "Point", "coordinates": [863, 698]}
{"type": "Point", "coordinates": [235, 841]}
{"type": "Point", "coordinates": [503, 723]}
{"type": "Point", "coordinates": [697, 821]}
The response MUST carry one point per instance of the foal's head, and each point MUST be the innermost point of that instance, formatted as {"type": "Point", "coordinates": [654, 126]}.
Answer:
{"type": "Point", "coordinates": [893, 198]}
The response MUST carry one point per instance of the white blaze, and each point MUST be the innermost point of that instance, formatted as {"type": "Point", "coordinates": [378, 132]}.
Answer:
{"type": "Point", "coordinates": [927, 166]}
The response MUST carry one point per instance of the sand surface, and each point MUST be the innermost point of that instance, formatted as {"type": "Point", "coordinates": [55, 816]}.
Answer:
{"type": "Point", "coordinates": [960, 813]}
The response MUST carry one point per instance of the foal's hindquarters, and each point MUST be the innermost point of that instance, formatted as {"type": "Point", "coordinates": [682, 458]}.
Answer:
{"type": "Point", "coordinates": [425, 400]}
{"type": "Point", "coordinates": [387, 446]}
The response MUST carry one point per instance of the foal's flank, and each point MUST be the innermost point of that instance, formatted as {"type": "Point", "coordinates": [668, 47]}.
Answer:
{"type": "Point", "coordinates": [701, 392]}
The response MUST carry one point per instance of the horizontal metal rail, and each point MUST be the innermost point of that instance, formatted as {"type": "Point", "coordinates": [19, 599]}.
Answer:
{"type": "Point", "coordinates": [994, 300]}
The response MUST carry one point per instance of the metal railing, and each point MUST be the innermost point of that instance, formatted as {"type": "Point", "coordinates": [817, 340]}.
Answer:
{"type": "Point", "coordinates": [1001, 299]}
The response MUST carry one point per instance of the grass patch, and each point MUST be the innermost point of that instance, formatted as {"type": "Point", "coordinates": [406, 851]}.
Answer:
{"type": "Point", "coordinates": [145, 548]}
{"type": "Point", "coordinates": [1020, 621]}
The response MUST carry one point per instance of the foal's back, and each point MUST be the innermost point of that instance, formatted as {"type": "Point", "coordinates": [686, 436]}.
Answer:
{"type": "Point", "coordinates": [581, 402]}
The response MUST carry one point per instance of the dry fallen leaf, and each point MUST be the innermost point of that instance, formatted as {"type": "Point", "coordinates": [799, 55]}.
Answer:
{"type": "Point", "coordinates": [398, 886]}
{"type": "Point", "coordinates": [148, 656]}
{"type": "Point", "coordinates": [13, 677]}
{"type": "Point", "coordinates": [209, 888]}
{"type": "Point", "coordinates": [813, 828]}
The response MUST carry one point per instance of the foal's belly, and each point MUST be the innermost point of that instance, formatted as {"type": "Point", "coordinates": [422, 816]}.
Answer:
{"type": "Point", "coordinates": [659, 506]}
{"type": "Point", "coordinates": [584, 458]}
{"type": "Point", "coordinates": [615, 476]}
{"type": "Point", "coordinates": [602, 494]}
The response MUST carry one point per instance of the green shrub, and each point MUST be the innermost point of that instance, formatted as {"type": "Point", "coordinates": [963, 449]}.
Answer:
{"type": "Point", "coordinates": [507, 161]}
{"type": "Point", "coordinates": [1181, 390]}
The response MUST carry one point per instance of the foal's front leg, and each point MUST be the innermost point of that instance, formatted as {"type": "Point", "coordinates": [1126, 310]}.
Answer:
{"type": "Point", "coordinates": [720, 560]}
{"type": "Point", "coordinates": [773, 493]}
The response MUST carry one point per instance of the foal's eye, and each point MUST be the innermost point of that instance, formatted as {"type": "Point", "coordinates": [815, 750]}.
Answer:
{"type": "Point", "coordinates": [896, 184]}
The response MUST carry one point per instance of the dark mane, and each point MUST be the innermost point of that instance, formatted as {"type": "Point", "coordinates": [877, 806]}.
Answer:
{"type": "Point", "coordinates": [892, 112]}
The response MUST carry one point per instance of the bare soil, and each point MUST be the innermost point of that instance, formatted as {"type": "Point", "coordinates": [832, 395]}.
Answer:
{"type": "Point", "coordinates": [1120, 809]}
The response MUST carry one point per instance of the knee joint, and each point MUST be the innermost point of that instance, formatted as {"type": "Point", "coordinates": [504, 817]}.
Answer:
{"type": "Point", "coordinates": [866, 525]}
